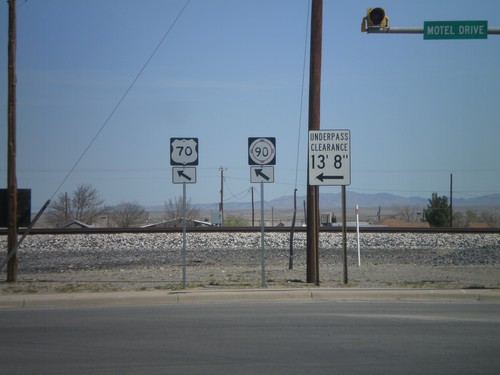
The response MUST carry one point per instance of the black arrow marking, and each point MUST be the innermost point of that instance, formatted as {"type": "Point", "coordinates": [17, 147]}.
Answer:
{"type": "Point", "coordinates": [259, 173]}
{"type": "Point", "coordinates": [322, 177]}
{"type": "Point", "coordinates": [182, 174]}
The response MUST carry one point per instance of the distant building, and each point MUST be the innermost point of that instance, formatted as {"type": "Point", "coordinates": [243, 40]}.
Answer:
{"type": "Point", "coordinates": [394, 222]}
{"type": "Point", "coordinates": [178, 223]}
{"type": "Point", "coordinates": [77, 224]}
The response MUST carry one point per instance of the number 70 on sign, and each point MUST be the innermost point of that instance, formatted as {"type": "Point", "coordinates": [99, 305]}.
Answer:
{"type": "Point", "coordinates": [184, 151]}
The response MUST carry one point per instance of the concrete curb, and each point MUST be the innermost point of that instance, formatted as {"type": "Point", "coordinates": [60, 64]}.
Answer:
{"type": "Point", "coordinates": [250, 295]}
{"type": "Point", "coordinates": [409, 295]}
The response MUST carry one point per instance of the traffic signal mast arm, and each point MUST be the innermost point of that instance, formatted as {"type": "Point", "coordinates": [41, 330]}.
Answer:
{"type": "Point", "coordinates": [376, 22]}
{"type": "Point", "coordinates": [413, 30]}
{"type": "Point", "coordinates": [394, 30]}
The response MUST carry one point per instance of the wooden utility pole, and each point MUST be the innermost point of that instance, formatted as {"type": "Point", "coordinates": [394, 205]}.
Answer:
{"type": "Point", "coordinates": [11, 148]}
{"type": "Point", "coordinates": [451, 199]}
{"type": "Point", "coordinates": [314, 124]}
{"type": "Point", "coordinates": [292, 231]}
{"type": "Point", "coordinates": [221, 205]}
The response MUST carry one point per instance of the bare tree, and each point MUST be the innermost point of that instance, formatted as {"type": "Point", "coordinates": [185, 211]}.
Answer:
{"type": "Point", "coordinates": [84, 205]}
{"type": "Point", "coordinates": [492, 218]}
{"type": "Point", "coordinates": [128, 214]}
{"type": "Point", "coordinates": [459, 219]}
{"type": "Point", "coordinates": [60, 211]}
{"type": "Point", "coordinates": [406, 213]}
{"type": "Point", "coordinates": [87, 203]}
{"type": "Point", "coordinates": [173, 209]}
{"type": "Point", "coordinates": [470, 217]}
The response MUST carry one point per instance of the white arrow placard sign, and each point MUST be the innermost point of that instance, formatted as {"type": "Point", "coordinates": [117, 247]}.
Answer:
{"type": "Point", "coordinates": [263, 173]}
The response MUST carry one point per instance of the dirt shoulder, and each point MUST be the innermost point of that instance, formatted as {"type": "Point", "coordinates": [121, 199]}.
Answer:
{"type": "Point", "coordinates": [167, 277]}
{"type": "Point", "coordinates": [131, 262]}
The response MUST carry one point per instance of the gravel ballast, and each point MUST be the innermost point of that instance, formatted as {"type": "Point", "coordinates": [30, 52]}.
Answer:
{"type": "Point", "coordinates": [137, 261]}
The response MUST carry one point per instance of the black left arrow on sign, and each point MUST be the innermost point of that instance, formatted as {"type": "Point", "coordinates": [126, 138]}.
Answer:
{"type": "Point", "coordinates": [182, 174]}
{"type": "Point", "coordinates": [322, 177]}
{"type": "Point", "coordinates": [259, 173]}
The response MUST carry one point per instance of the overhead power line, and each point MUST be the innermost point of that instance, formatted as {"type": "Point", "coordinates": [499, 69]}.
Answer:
{"type": "Point", "coordinates": [302, 95]}
{"type": "Point", "coordinates": [121, 99]}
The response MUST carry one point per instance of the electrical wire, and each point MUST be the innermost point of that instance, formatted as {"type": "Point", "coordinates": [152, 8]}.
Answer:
{"type": "Point", "coordinates": [238, 196]}
{"type": "Point", "coordinates": [265, 202]}
{"type": "Point", "coordinates": [302, 94]}
{"type": "Point", "coordinates": [125, 94]}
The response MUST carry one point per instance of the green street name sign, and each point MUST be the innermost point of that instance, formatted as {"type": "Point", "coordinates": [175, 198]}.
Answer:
{"type": "Point", "coordinates": [455, 29]}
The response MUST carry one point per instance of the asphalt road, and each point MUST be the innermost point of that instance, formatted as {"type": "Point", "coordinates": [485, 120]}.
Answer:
{"type": "Point", "coordinates": [254, 338]}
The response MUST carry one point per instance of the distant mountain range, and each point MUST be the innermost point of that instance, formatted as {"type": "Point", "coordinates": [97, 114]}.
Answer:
{"type": "Point", "coordinates": [334, 200]}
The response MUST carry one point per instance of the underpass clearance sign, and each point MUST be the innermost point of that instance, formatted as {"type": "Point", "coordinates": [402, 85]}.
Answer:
{"type": "Point", "coordinates": [329, 157]}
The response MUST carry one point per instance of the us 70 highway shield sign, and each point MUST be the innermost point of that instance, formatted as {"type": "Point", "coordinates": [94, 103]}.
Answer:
{"type": "Point", "coordinates": [183, 151]}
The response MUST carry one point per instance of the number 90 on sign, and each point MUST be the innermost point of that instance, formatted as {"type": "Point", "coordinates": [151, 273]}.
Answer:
{"type": "Point", "coordinates": [261, 151]}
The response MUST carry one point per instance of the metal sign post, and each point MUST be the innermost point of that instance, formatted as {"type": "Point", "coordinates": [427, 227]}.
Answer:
{"type": "Point", "coordinates": [262, 244]}
{"type": "Point", "coordinates": [357, 235]}
{"type": "Point", "coordinates": [184, 250]}
{"type": "Point", "coordinates": [262, 158]}
{"type": "Point", "coordinates": [344, 235]}
{"type": "Point", "coordinates": [183, 158]}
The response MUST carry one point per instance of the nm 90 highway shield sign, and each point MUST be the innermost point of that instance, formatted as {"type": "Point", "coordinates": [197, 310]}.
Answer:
{"type": "Point", "coordinates": [329, 157]}
{"type": "Point", "coordinates": [261, 151]}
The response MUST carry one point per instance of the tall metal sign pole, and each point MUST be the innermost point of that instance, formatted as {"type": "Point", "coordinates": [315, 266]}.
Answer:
{"type": "Point", "coordinates": [314, 124]}
{"type": "Point", "coordinates": [184, 159]}
{"type": "Point", "coordinates": [11, 157]}
{"type": "Point", "coordinates": [262, 158]}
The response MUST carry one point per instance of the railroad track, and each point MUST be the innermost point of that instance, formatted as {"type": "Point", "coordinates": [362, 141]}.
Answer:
{"type": "Point", "coordinates": [193, 229]}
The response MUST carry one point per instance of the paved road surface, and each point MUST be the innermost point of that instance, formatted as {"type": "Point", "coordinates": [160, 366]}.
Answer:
{"type": "Point", "coordinates": [254, 338]}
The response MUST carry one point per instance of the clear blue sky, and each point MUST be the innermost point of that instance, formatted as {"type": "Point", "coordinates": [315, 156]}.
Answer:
{"type": "Point", "coordinates": [417, 109]}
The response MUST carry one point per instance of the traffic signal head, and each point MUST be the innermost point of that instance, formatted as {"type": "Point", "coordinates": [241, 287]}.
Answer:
{"type": "Point", "coordinates": [375, 18]}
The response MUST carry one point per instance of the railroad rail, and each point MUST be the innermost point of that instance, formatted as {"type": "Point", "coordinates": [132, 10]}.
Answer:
{"type": "Point", "coordinates": [196, 229]}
